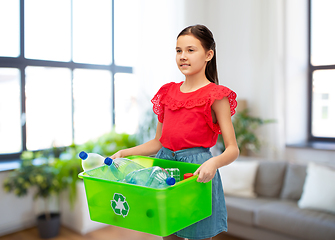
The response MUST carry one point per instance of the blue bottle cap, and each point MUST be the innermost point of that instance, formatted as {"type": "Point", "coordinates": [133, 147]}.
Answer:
{"type": "Point", "coordinates": [108, 161]}
{"type": "Point", "coordinates": [83, 155]}
{"type": "Point", "coordinates": [170, 181]}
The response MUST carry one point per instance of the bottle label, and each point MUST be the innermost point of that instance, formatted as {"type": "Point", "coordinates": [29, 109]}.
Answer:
{"type": "Point", "coordinates": [174, 172]}
{"type": "Point", "coordinates": [120, 205]}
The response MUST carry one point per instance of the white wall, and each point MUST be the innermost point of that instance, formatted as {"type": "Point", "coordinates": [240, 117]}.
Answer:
{"type": "Point", "coordinates": [296, 71]}
{"type": "Point", "coordinates": [249, 39]}
{"type": "Point", "coordinates": [150, 30]}
{"type": "Point", "coordinates": [15, 213]}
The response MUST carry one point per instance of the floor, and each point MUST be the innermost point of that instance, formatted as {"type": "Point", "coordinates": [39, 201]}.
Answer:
{"type": "Point", "coordinates": [107, 233]}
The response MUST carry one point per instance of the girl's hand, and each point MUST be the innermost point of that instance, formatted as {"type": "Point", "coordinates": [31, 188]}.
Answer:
{"type": "Point", "coordinates": [117, 155]}
{"type": "Point", "coordinates": [206, 171]}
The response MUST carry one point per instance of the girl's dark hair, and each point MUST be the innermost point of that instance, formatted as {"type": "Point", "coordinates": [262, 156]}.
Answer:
{"type": "Point", "coordinates": [205, 36]}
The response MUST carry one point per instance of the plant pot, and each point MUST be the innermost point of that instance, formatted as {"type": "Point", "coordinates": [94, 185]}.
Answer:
{"type": "Point", "coordinates": [48, 228]}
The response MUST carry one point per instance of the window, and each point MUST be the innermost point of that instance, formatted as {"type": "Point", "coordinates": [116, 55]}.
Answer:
{"type": "Point", "coordinates": [57, 73]}
{"type": "Point", "coordinates": [322, 70]}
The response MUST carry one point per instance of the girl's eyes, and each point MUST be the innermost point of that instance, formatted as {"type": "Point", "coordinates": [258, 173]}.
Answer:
{"type": "Point", "coordinates": [189, 50]}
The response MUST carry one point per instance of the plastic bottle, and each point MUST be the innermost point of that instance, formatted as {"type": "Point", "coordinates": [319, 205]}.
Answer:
{"type": "Point", "coordinates": [91, 160]}
{"type": "Point", "coordinates": [153, 177]}
{"type": "Point", "coordinates": [174, 172]}
{"type": "Point", "coordinates": [120, 167]}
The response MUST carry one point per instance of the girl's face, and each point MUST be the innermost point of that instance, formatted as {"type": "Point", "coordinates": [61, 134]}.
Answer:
{"type": "Point", "coordinates": [191, 57]}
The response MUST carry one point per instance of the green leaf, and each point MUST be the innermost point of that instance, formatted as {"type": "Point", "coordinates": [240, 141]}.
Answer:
{"type": "Point", "coordinates": [245, 126]}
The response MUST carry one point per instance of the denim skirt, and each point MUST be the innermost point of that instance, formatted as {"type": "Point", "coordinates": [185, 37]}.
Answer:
{"type": "Point", "coordinates": [217, 222]}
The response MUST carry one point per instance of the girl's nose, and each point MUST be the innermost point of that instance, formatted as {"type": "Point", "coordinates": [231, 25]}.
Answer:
{"type": "Point", "coordinates": [183, 56]}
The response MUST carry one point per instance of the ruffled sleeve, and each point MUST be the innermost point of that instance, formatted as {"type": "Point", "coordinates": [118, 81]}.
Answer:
{"type": "Point", "coordinates": [217, 93]}
{"type": "Point", "coordinates": [158, 106]}
{"type": "Point", "coordinates": [220, 92]}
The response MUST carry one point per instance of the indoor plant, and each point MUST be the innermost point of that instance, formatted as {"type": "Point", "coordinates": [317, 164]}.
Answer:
{"type": "Point", "coordinates": [38, 173]}
{"type": "Point", "coordinates": [75, 215]}
{"type": "Point", "coordinates": [245, 126]}
{"type": "Point", "coordinates": [50, 171]}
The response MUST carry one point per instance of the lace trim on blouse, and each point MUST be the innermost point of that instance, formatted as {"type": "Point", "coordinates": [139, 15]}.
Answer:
{"type": "Point", "coordinates": [161, 99]}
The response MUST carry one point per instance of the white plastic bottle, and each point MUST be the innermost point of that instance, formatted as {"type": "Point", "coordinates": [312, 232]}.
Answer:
{"type": "Point", "coordinates": [91, 160]}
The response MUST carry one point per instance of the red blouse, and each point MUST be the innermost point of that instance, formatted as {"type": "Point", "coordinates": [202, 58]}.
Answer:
{"type": "Point", "coordinates": [187, 118]}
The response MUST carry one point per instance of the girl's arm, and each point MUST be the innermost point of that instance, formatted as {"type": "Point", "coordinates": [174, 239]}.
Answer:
{"type": "Point", "coordinates": [145, 149]}
{"type": "Point", "coordinates": [208, 169]}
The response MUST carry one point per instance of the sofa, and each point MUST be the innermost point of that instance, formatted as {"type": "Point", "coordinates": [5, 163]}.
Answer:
{"type": "Point", "coordinates": [277, 200]}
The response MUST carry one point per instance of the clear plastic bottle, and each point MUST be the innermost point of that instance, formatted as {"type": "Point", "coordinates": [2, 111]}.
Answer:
{"type": "Point", "coordinates": [120, 167]}
{"type": "Point", "coordinates": [153, 177]}
{"type": "Point", "coordinates": [91, 160]}
{"type": "Point", "coordinates": [174, 172]}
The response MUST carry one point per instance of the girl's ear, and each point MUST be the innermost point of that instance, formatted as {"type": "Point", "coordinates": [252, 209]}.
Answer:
{"type": "Point", "coordinates": [209, 55]}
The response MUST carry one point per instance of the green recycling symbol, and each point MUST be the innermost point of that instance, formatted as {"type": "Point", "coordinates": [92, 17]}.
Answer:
{"type": "Point", "coordinates": [120, 205]}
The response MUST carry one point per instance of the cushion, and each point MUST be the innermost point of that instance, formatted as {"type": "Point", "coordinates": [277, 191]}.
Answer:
{"type": "Point", "coordinates": [319, 190]}
{"type": "Point", "coordinates": [242, 210]}
{"type": "Point", "coordinates": [269, 179]}
{"type": "Point", "coordinates": [287, 218]}
{"type": "Point", "coordinates": [238, 178]}
{"type": "Point", "coordinates": [293, 182]}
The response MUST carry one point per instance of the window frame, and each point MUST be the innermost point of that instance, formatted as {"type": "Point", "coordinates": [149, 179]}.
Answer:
{"type": "Point", "coordinates": [311, 69]}
{"type": "Point", "coordinates": [21, 63]}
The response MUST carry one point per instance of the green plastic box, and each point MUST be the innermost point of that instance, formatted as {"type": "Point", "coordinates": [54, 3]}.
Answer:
{"type": "Point", "coordinates": [156, 211]}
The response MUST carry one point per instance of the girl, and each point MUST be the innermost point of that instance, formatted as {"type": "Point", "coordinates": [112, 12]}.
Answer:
{"type": "Point", "coordinates": [191, 114]}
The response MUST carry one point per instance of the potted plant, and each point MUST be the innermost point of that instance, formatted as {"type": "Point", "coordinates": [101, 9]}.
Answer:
{"type": "Point", "coordinates": [40, 175]}
{"type": "Point", "coordinates": [245, 126]}
{"type": "Point", "coordinates": [73, 215]}
{"type": "Point", "coordinates": [50, 171]}
{"type": "Point", "coordinates": [47, 175]}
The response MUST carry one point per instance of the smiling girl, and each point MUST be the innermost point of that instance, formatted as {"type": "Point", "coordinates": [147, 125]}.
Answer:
{"type": "Point", "coordinates": [191, 114]}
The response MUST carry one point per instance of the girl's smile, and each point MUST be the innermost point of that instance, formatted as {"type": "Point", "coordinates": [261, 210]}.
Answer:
{"type": "Point", "coordinates": [184, 65]}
